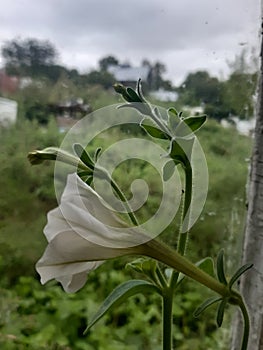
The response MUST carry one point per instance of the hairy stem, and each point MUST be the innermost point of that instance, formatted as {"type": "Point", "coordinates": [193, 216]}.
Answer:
{"type": "Point", "coordinates": [183, 236]}
{"type": "Point", "coordinates": [172, 258]}
{"type": "Point", "coordinates": [167, 318]}
{"type": "Point", "coordinates": [125, 202]}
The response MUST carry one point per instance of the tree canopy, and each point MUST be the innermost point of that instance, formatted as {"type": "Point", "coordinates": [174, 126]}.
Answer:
{"type": "Point", "coordinates": [28, 56]}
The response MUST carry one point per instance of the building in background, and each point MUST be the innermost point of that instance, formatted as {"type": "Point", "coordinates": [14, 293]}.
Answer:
{"type": "Point", "coordinates": [8, 84]}
{"type": "Point", "coordinates": [8, 111]}
{"type": "Point", "coordinates": [128, 75]}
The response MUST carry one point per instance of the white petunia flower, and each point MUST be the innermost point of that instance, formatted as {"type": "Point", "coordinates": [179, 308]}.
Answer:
{"type": "Point", "coordinates": [81, 233]}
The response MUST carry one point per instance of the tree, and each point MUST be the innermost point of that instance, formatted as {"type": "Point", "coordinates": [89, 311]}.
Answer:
{"type": "Point", "coordinates": [251, 285]}
{"type": "Point", "coordinates": [240, 87]}
{"type": "Point", "coordinates": [102, 78]}
{"type": "Point", "coordinates": [238, 93]}
{"type": "Point", "coordinates": [28, 56]}
{"type": "Point", "coordinates": [156, 73]}
{"type": "Point", "coordinates": [107, 61]}
{"type": "Point", "coordinates": [199, 88]}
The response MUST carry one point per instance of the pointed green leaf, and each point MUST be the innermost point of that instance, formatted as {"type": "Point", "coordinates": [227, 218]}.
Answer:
{"type": "Point", "coordinates": [161, 115]}
{"type": "Point", "coordinates": [139, 90]}
{"type": "Point", "coordinates": [205, 305]}
{"type": "Point", "coordinates": [146, 266]}
{"type": "Point", "coordinates": [128, 105]}
{"type": "Point", "coordinates": [83, 155]}
{"type": "Point", "coordinates": [180, 115]}
{"type": "Point", "coordinates": [121, 89]}
{"type": "Point", "coordinates": [220, 268]}
{"type": "Point", "coordinates": [173, 118]}
{"type": "Point", "coordinates": [153, 130]}
{"type": "Point", "coordinates": [119, 295]}
{"type": "Point", "coordinates": [133, 95]}
{"type": "Point", "coordinates": [180, 150]}
{"type": "Point", "coordinates": [136, 264]}
{"type": "Point", "coordinates": [238, 273]}
{"type": "Point", "coordinates": [86, 177]}
{"type": "Point", "coordinates": [89, 180]}
{"type": "Point", "coordinates": [206, 265]}
{"type": "Point", "coordinates": [168, 170]}
{"type": "Point", "coordinates": [173, 111]}
{"type": "Point", "coordinates": [195, 123]}
{"type": "Point", "coordinates": [83, 173]}
{"type": "Point", "coordinates": [220, 312]}
{"type": "Point", "coordinates": [142, 107]}
{"type": "Point", "coordinates": [189, 125]}
{"type": "Point", "coordinates": [97, 153]}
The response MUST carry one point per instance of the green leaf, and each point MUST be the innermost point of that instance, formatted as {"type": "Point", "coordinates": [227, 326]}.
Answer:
{"type": "Point", "coordinates": [153, 130]}
{"type": "Point", "coordinates": [89, 180]}
{"type": "Point", "coordinates": [206, 265]}
{"type": "Point", "coordinates": [173, 111]}
{"type": "Point", "coordinates": [142, 107]}
{"type": "Point", "coordinates": [160, 114]}
{"type": "Point", "coordinates": [139, 90]}
{"type": "Point", "coordinates": [85, 176]}
{"type": "Point", "coordinates": [220, 312]}
{"type": "Point", "coordinates": [119, 295]}
{"type": "Point", "coordinates": [83, 155]}
{"type": "Point", "coordinates": [136, 265]}
{"type": "Point", "coordinates": [205, 305]}
{"type": "Point", "coordinates": [168, 170]}
{"type": "Point", "coordinates": [238, 273]}
{"type": "Point", "coordinates": [180, 152]}
{"type": "Point", "coordinates": [146, 266]}
{"type": "Point", "coordinates": [97, 153]}
{"type": "Point", "coordinates": [83, 173]}
{"type": "Point", "coordinates": [133, 95]}
{"type": "Point", "coordinates": [143, 265]}
{"type": "Point", "coordinates": [173, 118]}
{"type": "Point", "coordinates": [195, 123]}
{"type": "Point", "coordinates": [189, 125]}
{"type": "Point", "coordinates": [220, 267]}
{"type": "Point", "coordinates": [121, 89]}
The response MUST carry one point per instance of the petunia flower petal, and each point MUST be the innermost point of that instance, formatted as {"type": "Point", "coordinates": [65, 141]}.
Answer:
{"type": "Point", "coordinates": [81, 233]}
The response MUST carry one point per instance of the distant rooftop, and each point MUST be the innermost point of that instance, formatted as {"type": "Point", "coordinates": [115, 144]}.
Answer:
{"type": "Point", "coordinates": [127, 73]}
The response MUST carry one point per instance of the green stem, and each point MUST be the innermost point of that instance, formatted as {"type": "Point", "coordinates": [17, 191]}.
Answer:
{"type": "Point", "coordinates": [246, 325]}
{"type": "Point", "coordinates": [124, 201]}
{"type": "Point", "coordinates": [172, 258]}
{"type": "Point", "coordinates": [167, 318]}
{"type": "Point", "coordinates": [183, 236]}
{"type": "Point", "coordinates": [186, 208]}
{"type": "Point", "coordinates": [161, 125]}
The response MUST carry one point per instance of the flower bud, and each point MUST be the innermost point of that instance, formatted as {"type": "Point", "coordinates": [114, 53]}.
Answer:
{"type": "Point", "coordinates": [53, 153]}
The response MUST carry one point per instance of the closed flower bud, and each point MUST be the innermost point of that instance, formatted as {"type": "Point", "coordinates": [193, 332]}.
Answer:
{"type": "Point", "coordinates": [53, 153]}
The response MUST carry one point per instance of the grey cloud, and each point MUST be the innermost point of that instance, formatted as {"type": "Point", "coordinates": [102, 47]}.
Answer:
{"type": "Point", "coordinates": [85, 30]}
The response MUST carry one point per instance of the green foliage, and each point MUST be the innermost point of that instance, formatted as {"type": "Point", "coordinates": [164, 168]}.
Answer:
{"type": "Point", "coordinates": [102, 78]}
{"type": "Point", "coordinates": [238, 92]}
{"type": "Point", "coordinates": [29, 57]}
{"type": "Point", "coordinates": [200, 88]}
{"type": "Point", "coordinates": [37, 317]}
{"type": "Point", "coordinates": [107, 61]}
{"type": "Point", "coordinates": [221, 99]}
{"type": "Point", "coordinates": [120, 294]}
{"type": "Point", "coordinates": [221, 220]}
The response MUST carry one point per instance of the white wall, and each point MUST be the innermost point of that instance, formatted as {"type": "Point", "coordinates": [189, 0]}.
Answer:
{"type": "Point", "coordinates": [8, 111]}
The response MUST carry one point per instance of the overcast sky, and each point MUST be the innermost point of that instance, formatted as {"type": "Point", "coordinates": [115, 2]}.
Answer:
{"type": "Point", "coordinates": [185, 35]}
